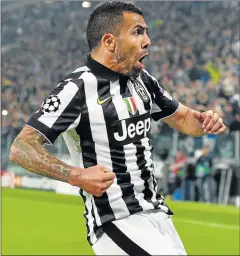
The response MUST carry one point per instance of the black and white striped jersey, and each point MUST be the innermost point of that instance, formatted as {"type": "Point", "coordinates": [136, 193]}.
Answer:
{"type": "Point", "coordinates": [111, 114]}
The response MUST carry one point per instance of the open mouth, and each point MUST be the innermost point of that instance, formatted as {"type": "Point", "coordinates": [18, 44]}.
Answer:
{"type": "Point", "coordinates": [142, 58]}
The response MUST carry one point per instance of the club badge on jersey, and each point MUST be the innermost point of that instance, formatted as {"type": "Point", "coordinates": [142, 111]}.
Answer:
{"type": "Point", "coordinates": [141, 91]}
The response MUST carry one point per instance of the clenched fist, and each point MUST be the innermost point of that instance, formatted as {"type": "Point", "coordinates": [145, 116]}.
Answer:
{"type": "Point", "coordinates": [94, 180]}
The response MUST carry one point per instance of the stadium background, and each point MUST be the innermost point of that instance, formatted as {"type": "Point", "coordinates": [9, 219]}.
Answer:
{"type": "Point", "coordinates": [195, 56]}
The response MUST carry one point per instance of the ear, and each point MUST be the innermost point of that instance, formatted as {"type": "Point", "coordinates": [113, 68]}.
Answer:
{"type": "Point", "coordinates": [109, 42]}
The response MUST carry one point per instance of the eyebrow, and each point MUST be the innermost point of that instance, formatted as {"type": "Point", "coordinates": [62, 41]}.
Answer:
{"type": "Point", "coordinates": [142, 27]}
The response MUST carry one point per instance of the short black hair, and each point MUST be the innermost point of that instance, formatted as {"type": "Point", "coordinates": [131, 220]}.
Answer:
{"type": "Point", "coordinates": [105, 18]}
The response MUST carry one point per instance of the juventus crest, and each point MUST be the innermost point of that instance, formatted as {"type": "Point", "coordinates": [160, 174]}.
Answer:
{"type": "Point", "coordinates": [141, 91]}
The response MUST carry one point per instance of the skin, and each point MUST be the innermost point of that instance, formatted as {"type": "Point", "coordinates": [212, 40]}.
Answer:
{"type": "Point", "coordinates": [120, 52]}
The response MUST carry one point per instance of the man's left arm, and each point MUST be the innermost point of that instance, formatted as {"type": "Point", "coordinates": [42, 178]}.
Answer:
{"type": "Point", "coordinates": [178, 116]}
{"type": "Point", "coordinates": [194, 123]}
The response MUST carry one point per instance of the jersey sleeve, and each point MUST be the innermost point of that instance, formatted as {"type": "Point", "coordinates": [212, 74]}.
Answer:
{"type": "Point", "coordinates": [59, 112]}
{"type": "Point", "coordinates": [163, 105]}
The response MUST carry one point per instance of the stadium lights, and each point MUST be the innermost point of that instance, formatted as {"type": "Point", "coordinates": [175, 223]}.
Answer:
{"type": "Point", "coordinates": [86, 4]}
{"type": "Point", "coordinates": [4, 112]}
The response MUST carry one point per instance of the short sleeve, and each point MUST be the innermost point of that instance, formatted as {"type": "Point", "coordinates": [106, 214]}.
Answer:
{"type": "Point", "coordinates": [59, 112]}
{"type": "Point", "coordinates": [163, 103]}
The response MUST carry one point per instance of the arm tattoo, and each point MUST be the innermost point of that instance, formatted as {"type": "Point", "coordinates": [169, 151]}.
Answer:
{"type": "Point", "coordinates": [28, 151]}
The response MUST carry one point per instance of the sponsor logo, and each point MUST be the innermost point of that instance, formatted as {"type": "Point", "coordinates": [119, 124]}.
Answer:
{"type": "Point", "coordinates": [50, 104]}
{"type": "Point", "coordinates": [141, 91]}
{"type": "Point", "coordinates": [131, 105]}
{"type": "Point", "coordinates": [100, 102]}
{"type": "Point", "coordinates": [131, 129]}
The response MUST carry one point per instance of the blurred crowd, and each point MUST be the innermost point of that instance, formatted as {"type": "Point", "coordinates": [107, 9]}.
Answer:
{"type": "Point", "coordinates": [194, 54]}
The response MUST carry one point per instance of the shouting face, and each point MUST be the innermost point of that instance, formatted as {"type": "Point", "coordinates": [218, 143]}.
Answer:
{"type": "Point", "coordinates": [131, 44]}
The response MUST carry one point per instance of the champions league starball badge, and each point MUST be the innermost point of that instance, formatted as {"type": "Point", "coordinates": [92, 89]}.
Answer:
{"type": "Point", "coordinates": [50, 104]}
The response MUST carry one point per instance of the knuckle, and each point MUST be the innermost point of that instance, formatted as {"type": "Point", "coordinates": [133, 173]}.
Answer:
{"type": "Point", "coordinates": [102, 186]}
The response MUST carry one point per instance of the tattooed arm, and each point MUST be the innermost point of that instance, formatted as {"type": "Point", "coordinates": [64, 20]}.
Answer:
{"type": "Point", "coordinates": [29, 152]}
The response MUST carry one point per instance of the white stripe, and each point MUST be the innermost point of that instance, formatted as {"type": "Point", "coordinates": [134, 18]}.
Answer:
{"type": "Point", "coordinates": [206, 224]}
{"type": "Point", "coordinates": [98, 127]}
{"type": "Point", "coordinates": [66, 95]}
{"type": "Point", "coordinates": [130, 150]}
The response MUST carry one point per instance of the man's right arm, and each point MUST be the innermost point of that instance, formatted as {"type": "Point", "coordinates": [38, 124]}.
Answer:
{"type": "Point", "coordinates": [29, 152]}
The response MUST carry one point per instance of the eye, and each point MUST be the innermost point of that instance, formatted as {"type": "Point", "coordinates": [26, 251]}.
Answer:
{"type": "Point", "coordinates": [139, 31]}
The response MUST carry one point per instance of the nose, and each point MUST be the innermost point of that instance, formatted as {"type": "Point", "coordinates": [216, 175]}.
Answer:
{"type": "Point", "coordinates": [147, 42]}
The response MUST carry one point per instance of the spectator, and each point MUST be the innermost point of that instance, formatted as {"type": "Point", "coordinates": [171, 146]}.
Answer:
{"type": "Point", "coordinates": [203, 174]}
{"type": "Point", "coordinates": [235, 125]}
{"type": "Point", "coordinates": [177, 170]}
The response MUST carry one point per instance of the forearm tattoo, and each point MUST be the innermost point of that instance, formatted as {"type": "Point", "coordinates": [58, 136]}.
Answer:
{"type": "Point", "coordinates": [30, 154]}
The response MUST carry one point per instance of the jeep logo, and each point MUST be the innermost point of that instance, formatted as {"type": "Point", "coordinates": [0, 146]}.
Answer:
{"type": "Point", "coordinates": [131, 129]}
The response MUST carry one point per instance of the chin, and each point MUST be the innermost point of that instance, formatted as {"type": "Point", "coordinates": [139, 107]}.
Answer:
{"type": "Point", "coordinates": [134, 72]}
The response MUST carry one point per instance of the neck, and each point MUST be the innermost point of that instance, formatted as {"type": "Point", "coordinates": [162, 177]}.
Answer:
{"type": "Point", "coordinates": [108, 60]}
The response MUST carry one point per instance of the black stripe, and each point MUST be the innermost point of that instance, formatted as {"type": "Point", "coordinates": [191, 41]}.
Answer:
{"type": "Point", "coordinates": [156, 203]}
{"type": "Point", "coordinates": [167, 110]}
{"type": "Point", "coordinates": [97, 230]}
{"type": "Point", "coordinates": [126, 244]}
{"type": "Point", "coordinates": [117, 152]}
{"type": "Point", "coordinates": [74, 76]}
{"type": "Point", "coordinates": [88, 147]}
{"type": "Point", "coordinates": [42, 128]}
{"type": "Point", "coordinates": [85, 214]}
{"type": "Point", "coordinates": [155, 187]}
{"type": "Point", "coordinates": [145, 173]}
{"type": "Point", "coordinates": [90, 159]}
{"type": "Point", "coordinates": [167, 106]}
